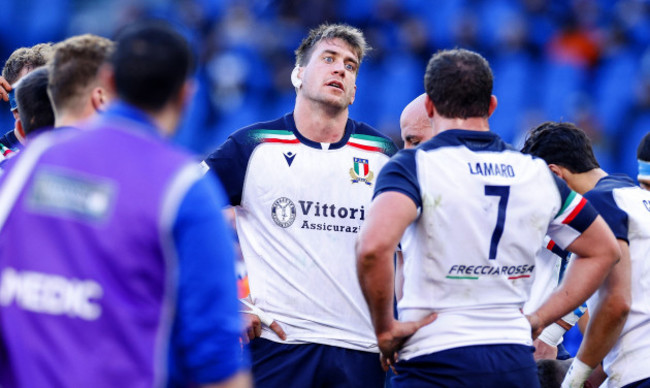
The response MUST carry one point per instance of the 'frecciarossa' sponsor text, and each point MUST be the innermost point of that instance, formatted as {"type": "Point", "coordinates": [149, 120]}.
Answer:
{"type": "Point", "coordinates": [459, 271]}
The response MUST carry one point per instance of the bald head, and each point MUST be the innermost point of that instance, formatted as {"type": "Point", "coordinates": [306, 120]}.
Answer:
{"type": "Point", "coordinates": [415, 123]}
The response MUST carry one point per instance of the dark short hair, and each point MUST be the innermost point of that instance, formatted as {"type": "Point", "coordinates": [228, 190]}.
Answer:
{"type": "Point", "coordinates": [459, 82]}
{"type": "Point", "coordinates": [350, 35]}
{"type": "Point", "coordinates": [75, 68]}
{"type": "Point", "coordinates": [34, 104]}
{"type": "Point", "coordinates": [26, 57]}
{"type": "Point", "coordinates": [643, 152]}
{"type": "Point", "coordinates": [551, 372]}
{"type": "Point", "coordinates": [561, 143]}
{"type": "Point", "coordinates": [152, 61]}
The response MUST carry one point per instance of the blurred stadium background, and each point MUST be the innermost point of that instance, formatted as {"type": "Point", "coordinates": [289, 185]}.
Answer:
{"type": "Point", "coordinates": [586, 61]}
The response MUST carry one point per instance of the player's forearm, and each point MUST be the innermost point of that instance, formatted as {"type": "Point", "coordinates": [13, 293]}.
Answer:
{"type": "Point", "coordinates": [597, 252]}
{"type": "Point", "coordinates": [581, 280]}
{"type": "Point", "coordinates": [603, 331]}
{"type": "Point", "coordinates": [610, 313]}
{"type": "Point", "coordinates": [375, 271]}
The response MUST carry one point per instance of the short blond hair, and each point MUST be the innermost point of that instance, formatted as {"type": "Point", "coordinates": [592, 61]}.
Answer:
{"type": "Point", "coordinates": [351, 35]}
{"type": "Point", "coordinates": [74, 68]}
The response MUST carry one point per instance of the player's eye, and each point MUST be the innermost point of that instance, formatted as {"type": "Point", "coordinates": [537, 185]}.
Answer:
{"type": "Point", "coordinates": [350, 67]}
{"type": "Point", "coordinates": [328, 59]}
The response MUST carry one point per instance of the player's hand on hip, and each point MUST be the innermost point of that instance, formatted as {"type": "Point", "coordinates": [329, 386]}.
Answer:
{"type": "Point", "coordinates": [254, 318]}
{"type": "Point", "coordinates": [392, 341]}
{"type": "Point", "coordinates": [544, 351]}
{"type": "Point", "coordinates": [536, 325]}
{"type": "Point", "coordinates": [252, 327]}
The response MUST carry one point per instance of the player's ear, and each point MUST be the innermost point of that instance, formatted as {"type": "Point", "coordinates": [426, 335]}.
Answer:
{"type": "Point", "coordinates": [354, 94]}
{"type": "Point", "coordinates": [99, 99]}
{"type": "Point", "coordinates": [187, 93]}
{"type": "Point", "coordinates": [20, 131]}
{"type": "Point", "coordinates": [493, 105]}
{"type": "Point", "coordinates": [428, 105]}
{"type": "Point", "coordinates": [557, 170]}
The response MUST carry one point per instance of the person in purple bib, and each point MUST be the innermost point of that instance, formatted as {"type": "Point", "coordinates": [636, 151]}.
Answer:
{"type": "Point", "coordinates": [116, 267]}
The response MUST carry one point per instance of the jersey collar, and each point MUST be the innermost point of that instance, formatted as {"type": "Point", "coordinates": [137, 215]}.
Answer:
{"type": "Point", "coordinates": [350, 128]}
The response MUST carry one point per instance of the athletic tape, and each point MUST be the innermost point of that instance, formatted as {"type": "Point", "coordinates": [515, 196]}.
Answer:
{"type": "Point", "coordinates": [295, 81]}
{"type": "Point", "coordinates": [264, 317]}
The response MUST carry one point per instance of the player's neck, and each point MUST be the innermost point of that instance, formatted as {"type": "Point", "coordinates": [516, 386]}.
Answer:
{"type": "Point", "coordinates": [73, 117]}
{"type": "Point", "coordinates": [166, 119]}
{"type": "Point", "coordinates": [586, 181]}
{"type": "Point", "coordinates": [470, 124]}
{"type": "Point", "coordinates": [70, 120]}
{"type": "Point", "coordinates": [318, 123]}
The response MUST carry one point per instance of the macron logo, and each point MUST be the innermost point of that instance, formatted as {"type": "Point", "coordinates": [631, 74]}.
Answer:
{"type": "Point", "coordinates": [289, 157]}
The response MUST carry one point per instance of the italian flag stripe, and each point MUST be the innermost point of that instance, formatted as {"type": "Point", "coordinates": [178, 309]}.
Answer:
{"type": "Point", "coordinates": [568, 201]}
{"type": "Point", "coordinates": [550, 245]}
{"type": "Point", "coordinates": [575, 211]}
{"type": "Point", "coordinates": [275, 136]}
{"type": "Point", "coordinates": [278, 140]}
{"type": "Point", "coordinates": [364, 147]}
{"type": "Point", "coordinates": [273, 132]}
{"type": "Point", "coordinates": [271, 136]}
{"type": "Point", "coordinates": [368, 140]}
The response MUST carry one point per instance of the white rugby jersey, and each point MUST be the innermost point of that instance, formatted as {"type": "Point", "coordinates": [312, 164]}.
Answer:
{"type": "Point", "coordinates": [300, 206]}
{"type": "Point", "coordinates": [550, 263]}
{"type": "Point", "coordinates": [470, 255]}
{"type": "Point", "coordinates": [626, 209]}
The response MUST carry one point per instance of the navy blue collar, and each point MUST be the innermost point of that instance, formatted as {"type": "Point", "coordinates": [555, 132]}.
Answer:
{"type": "Point", "coordinates": [474, 140]}
{"type": "Point", "coordinates": [615, 180]}
{"type": "Point", "coordinates": [349, 129]}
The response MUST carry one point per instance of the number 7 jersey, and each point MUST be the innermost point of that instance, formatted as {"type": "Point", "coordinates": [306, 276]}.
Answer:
{"type": "Point", "coordinates": [470, 255]}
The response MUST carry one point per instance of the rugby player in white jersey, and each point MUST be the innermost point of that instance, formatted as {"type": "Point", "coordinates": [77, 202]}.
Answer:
{"type": "Point", "coordinates": [471, 213]}
{"type": "Point", "coordinates": [300, 186]}
{"type": "Point", "coordinates": [415, 128]}
{"type": "Point", "coordinates": [626, 208]}
{"type": "Point", "coordinates": [415, 124]}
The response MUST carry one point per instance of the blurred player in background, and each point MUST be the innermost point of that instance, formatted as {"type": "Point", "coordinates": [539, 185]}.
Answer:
{"type": "Point", "coordinates": [76, 87]}
{"type": "Point", "coordinates": [626, 208]}
{"type": "Point", "coordinates": [300, 186]}
{"type": "Point", "coordinates": [19, 63]}
{"type": "Point", "coordinates": [34, 106]}
{"type": "Point", "coordinates": [461, 204]}
{"type": "Point", "coordinates": [130, 279]}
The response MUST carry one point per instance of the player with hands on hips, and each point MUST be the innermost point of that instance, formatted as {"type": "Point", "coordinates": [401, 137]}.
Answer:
{"type": "Point", "coordinates": [301, 186]}
{"type": "Point", "coordinates": [461, 206]}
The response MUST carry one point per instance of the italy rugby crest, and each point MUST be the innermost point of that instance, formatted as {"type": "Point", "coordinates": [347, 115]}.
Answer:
{"type": "Point", "coordinates": [360, 172]}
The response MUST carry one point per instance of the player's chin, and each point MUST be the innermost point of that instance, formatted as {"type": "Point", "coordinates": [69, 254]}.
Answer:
{"type": "Point", "coordinates": [340, 102]}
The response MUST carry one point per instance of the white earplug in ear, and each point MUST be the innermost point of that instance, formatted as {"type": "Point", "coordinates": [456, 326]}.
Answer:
{"type": "Point", "coordinates": [295, 81]}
